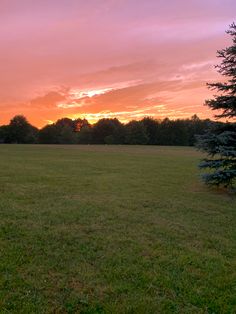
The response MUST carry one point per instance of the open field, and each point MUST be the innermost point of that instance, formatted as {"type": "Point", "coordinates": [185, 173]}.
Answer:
{"type": "Point", "coordinates": [113, 229]}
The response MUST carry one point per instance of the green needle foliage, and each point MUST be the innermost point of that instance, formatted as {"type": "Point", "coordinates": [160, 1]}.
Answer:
{"type": "Point", "coordinates": [220, 140]}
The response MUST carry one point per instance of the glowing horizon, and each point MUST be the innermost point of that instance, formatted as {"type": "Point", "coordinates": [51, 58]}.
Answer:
{"type": "Point", "coordinates": [109, 58]}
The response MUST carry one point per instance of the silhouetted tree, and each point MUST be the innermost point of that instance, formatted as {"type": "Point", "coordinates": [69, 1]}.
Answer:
{"type": "Point", "coordinates": [79, 124]}
{"type": "Point", "coordinates": [66, 122]}
{"type": "Point", "coordinates": [220, 141]}
{"type": "Point", "coordinates": [20, 131]}
{"type": "Point", "coordinates": [196, 127]}
{"type": "Point", "coordinates": [165, 133]}
{"type": "Point", "coordinates": [136, 133]}
{"type": "Point", "coordinates": [49, 135]}
{"type": "Point", "coordinates": [152, 130]}
{"type": "Point", "coordinates": [67, 135]}
{"type": "Point", "coordinates": [64, 131]}
{"type": "Point", "coordinates": [3, 133]}
{"type": "Point", "coordinates": [108, 131]}
{"type": "Point", "coordinates": [84, 136]}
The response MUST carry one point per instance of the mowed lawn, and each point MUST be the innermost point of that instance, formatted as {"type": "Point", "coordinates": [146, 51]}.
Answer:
{"type": "Point", "coordinates": [113, 229]}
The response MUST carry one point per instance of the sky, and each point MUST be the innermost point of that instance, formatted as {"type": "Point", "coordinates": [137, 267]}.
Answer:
{"type": "Point", "coordinates": [109, 58]}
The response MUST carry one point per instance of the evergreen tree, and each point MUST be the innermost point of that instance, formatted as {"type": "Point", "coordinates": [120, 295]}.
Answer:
{"type": "Point", "coordinates": [220, 140]}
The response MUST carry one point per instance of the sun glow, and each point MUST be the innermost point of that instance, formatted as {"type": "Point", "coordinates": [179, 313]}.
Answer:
{"type": "Point", "coordinates": [158, 111]}
{"type": "Point", "coordinates": [77, 94]}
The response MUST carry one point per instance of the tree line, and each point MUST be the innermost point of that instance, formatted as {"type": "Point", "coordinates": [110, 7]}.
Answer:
{"type": "Point", "coordinates": [147, 131]}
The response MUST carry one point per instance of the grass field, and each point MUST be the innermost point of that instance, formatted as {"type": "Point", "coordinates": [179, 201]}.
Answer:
{"type": "Point", "coordinates": [113, 229]}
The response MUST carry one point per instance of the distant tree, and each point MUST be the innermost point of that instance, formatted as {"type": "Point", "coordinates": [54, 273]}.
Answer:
{"type": "Point", "coordinates": [196, 127]}
{"type": "Point", "coordinates": [220, 141]}
{"type": "Point", "coordinates": [66, 122]}
{"type": "Point", "coordinates": [136, 133]}
{"type": "Point", "coordinates": [165, 132]}
{"type": "Point", "coordinates": [49, 135]}
{"type": "Point", "coordinates": [3, 133]}
{"type": "Point", "coordinates": [84, 136]}
{"type": "Point", "coordinates": [152, 128]}
{"type": "Point", "coordinates": [67, 135]}
{"type": "Point", "coordinates": [108, 131]}
{"type": "Point", "coordinates": [63, 131]}
{"type": "Point", "coordinates": [179, 132]}
{"type": "Point", "coordinates": [20, 131]}
{"type": "Point", "coordinates": [79, 124]}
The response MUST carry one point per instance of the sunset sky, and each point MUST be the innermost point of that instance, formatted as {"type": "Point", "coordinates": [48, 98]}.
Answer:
{"type": "Point", "coordinates": [109, 58]}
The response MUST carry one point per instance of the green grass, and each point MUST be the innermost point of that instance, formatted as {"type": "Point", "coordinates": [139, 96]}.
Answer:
{"type": "Point", "coordinates": [113, 229]}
